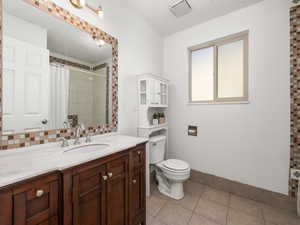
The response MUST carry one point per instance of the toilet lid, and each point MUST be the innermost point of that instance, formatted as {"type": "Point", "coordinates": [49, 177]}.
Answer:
{"type": "Point", "coordinates": [176, 164]}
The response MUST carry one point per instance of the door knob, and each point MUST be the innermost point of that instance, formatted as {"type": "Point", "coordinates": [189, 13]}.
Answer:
{"type": "Point", "coordinates": [104, 177]}
{"type": "Point", "coordinates": [110, 174]}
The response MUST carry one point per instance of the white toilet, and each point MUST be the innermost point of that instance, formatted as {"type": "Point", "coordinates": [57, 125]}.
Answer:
{"type": "Point", "coordinates": [170, 173]}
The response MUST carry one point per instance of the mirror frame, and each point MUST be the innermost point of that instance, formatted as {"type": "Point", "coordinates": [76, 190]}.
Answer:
{"type": "Point", "coordinates": [18, 140]}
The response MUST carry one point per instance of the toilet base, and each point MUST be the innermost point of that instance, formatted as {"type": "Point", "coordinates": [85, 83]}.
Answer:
{"type": "Point", "coordinates": [169, 188]}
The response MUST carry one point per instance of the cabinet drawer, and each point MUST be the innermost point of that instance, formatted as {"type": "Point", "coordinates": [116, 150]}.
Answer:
{"type": "Point", "coordinates": [36, 202]}
{"type": "Point", "coordinates": [117, 166]}
{"type": "Point", "coordinates": [138, 156]}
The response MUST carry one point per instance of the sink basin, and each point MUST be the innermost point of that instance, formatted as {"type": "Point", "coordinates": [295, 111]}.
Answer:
{"type": "Point", "coordinates": [86, 148]}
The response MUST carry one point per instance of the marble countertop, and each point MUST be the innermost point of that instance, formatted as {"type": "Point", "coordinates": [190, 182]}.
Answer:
{"type": "Point", "coordinates": [23, 163]}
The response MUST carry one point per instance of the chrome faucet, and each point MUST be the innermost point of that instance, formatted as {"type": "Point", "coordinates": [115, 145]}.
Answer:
{"type": "Point", "coordinates": [64, 142]}
{"type": "Point", "coordinates": [78, 130]}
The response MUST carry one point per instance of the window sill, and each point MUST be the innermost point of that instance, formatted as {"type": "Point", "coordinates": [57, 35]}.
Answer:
{"type": "Point", "coordinates": [219, 103]}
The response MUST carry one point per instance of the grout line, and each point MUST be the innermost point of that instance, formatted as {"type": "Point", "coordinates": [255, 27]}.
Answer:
{"type": "Point", "coordinates": [263, 214]}
{"type": "Point", "coordinates": [227, 216]}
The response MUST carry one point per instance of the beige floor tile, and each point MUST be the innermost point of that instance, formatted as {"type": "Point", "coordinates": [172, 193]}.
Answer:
{"type": "Point", "coordinates": [218, 196]}
{"type": "Point", "coordinates": [189, 201]}
{"type": "Point", "coordinates": [194, 188]}
{"type": "Point", "coordinates": [247, 206]}
{"type": "Point", "coordinates": [156, 222]}
{"type": "Point", "coordinates": [174, 214]}
{"type": "Point", "coordinates": [212, 210]}
{"type": "Point", "coordinates": [269, 223]}
{"type": "Point", "coordinates": [154, 204]}
{"type": "Point", "coordinates": [201, 220]}
{"type": "Point", "coordinates": [240, 218]}
{"type": "Point", "coordinates": [279, 217]}
{"type": "Point", "coordinates": [149, 219]}
{"type": "Point", "coordinates": [294, 219]}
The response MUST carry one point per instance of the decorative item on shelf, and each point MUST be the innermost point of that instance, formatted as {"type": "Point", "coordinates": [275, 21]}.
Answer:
{"type": "Point", "coordinates": [162, 118]}
{"type": "Point", "coordinates": [79, 4]}
{"type": "Point", "coordinates": [155, 119]}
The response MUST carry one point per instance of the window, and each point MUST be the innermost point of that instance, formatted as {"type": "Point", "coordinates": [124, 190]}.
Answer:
{"type": "Point", "coordinates": [219, 70]}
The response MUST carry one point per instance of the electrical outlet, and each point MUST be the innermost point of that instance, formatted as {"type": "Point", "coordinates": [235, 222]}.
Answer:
{"type": "Point", "coordinates": [295, 174]}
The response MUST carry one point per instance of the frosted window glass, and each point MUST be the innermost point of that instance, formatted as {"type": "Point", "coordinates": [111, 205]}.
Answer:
{"type": "Point", "coordinates": [231, 70]}
{"type": "Point", "coordinates": [202, 75]}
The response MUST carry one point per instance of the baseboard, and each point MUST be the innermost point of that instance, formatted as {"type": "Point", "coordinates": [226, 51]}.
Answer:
{"type": "Point", "coordinates": [247, 191]}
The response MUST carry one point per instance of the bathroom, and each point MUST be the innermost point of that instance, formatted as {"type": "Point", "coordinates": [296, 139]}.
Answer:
{"type": "Point", "coordinates": [119, 112]}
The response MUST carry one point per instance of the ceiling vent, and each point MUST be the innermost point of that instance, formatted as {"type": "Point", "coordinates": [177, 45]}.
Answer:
{"type": "Point", "coordinates": [181, 8]}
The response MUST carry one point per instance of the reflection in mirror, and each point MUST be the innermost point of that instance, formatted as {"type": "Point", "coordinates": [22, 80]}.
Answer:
{"type": "Point", "coordinates": [54, 75]}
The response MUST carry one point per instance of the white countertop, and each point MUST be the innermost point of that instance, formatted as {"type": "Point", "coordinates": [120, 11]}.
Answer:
{"type": "Point", "coordinates": [23, 163]}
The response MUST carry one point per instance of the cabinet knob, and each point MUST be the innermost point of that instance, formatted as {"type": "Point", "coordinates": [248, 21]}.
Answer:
{"type": "Point", "coordinates": [39, 193]}
{"type": "Point", "coordinates": [134, 181]}
{"type": "Point", "coordinates": [104, 177]}
{"type": "Point", "coordinates": [109, 174]}
{"type": "Point", "coordinates": [139, 152]}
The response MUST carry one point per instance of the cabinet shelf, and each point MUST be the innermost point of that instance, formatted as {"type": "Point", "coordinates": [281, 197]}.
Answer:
{"type": "Point", "coordinates": [154, 126]}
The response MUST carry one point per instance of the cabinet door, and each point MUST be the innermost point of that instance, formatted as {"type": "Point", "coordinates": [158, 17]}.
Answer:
{"type": "Point", "coordinates": [89, 197]}
{"type": "Point", "coordinates": [137, 196]}
{"type": "Point", "coordinates": [36, 203]}
{"type": "Point", "coordinates": [154, 91]}
{"type": "Point", "coordinates": [117, 192]}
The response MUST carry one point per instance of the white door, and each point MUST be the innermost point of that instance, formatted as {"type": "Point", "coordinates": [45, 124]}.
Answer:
{"type": "Point", "coordinates": [25, 86]}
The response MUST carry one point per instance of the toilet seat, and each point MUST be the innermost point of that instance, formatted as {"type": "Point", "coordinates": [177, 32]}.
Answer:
{"type": "Point", "coordinates": [176, 165]}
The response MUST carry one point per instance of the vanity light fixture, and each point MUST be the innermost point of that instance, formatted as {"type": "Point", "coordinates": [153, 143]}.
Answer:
{"type": "Point", "coordinates": [98, 10]}
{"type": "Point", "coordinates": [78, 3]}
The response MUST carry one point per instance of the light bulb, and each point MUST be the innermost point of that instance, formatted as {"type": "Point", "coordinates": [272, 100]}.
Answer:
{"type": "Point", "coordinates": [100, 12]}
{"type": "Point", "coordinates": [82, 3]}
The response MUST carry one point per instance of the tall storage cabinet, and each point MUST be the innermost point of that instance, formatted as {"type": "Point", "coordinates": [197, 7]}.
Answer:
{"type": "Point", "coordinates": [153, 99]}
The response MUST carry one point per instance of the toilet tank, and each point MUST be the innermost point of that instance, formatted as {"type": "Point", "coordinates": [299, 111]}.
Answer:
{"type": "Point", "coordinates": [157, 148]}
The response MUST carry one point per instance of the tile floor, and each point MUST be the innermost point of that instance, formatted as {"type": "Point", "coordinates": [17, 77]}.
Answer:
{"type": "Point", "coordinates": [203, 205]}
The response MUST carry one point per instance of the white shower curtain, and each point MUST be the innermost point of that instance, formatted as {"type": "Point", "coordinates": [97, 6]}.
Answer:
{"type": "Point", "coordinates": [59, 95]}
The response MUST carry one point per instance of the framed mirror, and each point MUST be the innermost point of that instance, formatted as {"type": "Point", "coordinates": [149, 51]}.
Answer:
{"type": "Point", "coordinates": [58, 72]}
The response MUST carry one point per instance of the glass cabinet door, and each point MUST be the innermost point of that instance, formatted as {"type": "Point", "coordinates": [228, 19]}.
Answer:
{"type": "Point", "coordinates": [163, 93]}
{"type": "Point", "coordinates": [143, 92]}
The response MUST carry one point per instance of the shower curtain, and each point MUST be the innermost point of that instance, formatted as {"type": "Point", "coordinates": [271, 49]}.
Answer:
{"type": "Point", "coordinates": [59, 95]}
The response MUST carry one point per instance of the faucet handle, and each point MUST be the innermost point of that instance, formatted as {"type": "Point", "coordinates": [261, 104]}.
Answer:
{"type": "Point", "coordinates": [82, 127]}
{"type": "Point", "coordinates": [88, 138]}
{"type": "Point", "coordinates": [65, 142]}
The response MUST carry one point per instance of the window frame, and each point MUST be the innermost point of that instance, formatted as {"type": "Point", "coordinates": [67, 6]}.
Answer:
{"type": "Point", "coordinates": [242, 36]}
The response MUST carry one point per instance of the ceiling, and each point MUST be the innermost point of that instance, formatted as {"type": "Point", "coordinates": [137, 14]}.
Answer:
{"type": "Point", "coordinates": [157, 13]}
{"type": "Point", "coordinates": [62, 38]}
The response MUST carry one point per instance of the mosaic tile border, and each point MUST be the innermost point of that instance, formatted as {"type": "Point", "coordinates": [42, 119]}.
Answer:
{"type": "Point", "coordinates": [54, 59]}
{"type": "Point", "coordinates": [42, 137]}
{"type": "Point", "coordinates": [295, 97]}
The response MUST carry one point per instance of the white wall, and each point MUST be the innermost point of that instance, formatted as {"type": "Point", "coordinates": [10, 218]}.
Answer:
{"type": "Point", "coordinates": [140, 51]}
{"type": "Point", "coordinates": [24, 31]}
{"type": "Point", "coordinates": [248, 143]}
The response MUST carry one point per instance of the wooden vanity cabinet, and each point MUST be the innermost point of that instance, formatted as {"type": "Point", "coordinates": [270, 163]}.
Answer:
{"type": "Point", "coordinates": [137, 192]}
{"type": "Point", "coordinates": [106, 191]}
{"type": "Point", "coordinates": [33, 202]}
